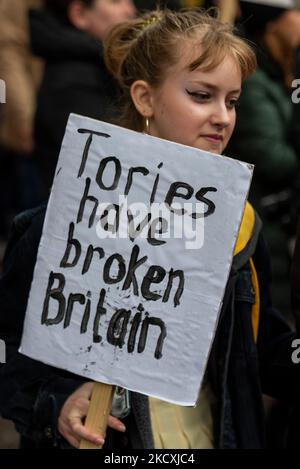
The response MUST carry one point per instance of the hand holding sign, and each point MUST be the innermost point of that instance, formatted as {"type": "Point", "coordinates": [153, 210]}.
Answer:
{"type": "Point", "coordinates": [133, 262]}
{"type": "Point", "coordinates": [73, 412]}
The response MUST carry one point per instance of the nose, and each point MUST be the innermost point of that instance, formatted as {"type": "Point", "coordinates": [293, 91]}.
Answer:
{"type": "Point", "coordinates": [221, 115]}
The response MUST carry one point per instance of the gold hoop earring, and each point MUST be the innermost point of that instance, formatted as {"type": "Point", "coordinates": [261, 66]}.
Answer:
{"type": "Point", "coordinates": [147, 122]}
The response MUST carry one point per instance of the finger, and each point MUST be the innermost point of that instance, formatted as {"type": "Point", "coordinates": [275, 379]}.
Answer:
{"type": "Point", "coordinates": [83, 433]}
{"type": "Point", "coordinates": [63, 428]}
{"type": "Point", "coordinates": [116, 424]}
{"type": "Point", "coordinates": [79, 410]}
{"type": "Point", "coordinates": [81, 406]}
{"type": "Point", "coordinates": [72, 440]}
{"type": "Point", "coordinates": [70, 437]}
{"type": "Point", "coordinates": [87, 389]}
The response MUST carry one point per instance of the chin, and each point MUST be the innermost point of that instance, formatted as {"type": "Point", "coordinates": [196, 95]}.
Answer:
{"type": "Point", "coordinates": [214, 149]}
{"type": "Point", "coordinates": [204, 146]}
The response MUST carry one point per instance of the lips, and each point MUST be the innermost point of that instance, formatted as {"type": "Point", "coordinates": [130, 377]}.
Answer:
{"type": "Point", "coordinates": [216, 138]}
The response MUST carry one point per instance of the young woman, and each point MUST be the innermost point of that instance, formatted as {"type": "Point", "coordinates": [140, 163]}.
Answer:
{"type": "Point", "coordinates": [181, 76]}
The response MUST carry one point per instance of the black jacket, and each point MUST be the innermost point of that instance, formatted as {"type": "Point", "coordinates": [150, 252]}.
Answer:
{"type": "Point", "coordinates": [151, 4]}
{"type": "Point", "coordinates": [75, 81]}
{"type": "Point", "coordinates": [32, 394]}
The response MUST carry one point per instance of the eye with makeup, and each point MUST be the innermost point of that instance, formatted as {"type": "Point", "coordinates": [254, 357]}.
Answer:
{"type": "Point", "coordinates": [199, 96]}
{"type": "Point", "coordinates": [205, 97]}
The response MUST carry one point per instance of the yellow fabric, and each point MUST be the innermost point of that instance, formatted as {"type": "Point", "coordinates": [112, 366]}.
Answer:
{"type": "Point", "coordinates": [246, 229]}
{"type": "Point", "coordinates": [177, 427]}
{"type": "Point", "coordinates": [245, 234]}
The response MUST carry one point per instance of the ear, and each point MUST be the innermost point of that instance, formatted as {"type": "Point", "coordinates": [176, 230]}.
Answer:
{"type": "Point", "coordinates": [77, 15]}
{"type": "Point", "coordinates": [142, 97]}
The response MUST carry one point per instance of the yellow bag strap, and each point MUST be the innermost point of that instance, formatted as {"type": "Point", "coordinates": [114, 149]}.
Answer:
{"type": "Point", "coordinates": [246, 229]}
{"type": "Point", "coordinates": [245, 234]}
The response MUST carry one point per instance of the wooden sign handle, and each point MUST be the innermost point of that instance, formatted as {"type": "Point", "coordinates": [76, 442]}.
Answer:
{"type": "Point", "coordinates": [228, 11]}
{"type": "Point", "coordinates": [99, 409]}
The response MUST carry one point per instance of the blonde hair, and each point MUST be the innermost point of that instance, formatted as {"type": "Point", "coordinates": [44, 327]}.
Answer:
{"type": "Point", "coordinates": [144, 48]}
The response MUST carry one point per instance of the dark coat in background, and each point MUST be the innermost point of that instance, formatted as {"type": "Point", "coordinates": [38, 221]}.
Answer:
{"type": "Point", "coordinates": [151, 4]}
{"type": "Point", "coordinates": [262, 137]}
{"type": "Point", "coordinates": [75, 81]}
{"type": "Point", "coordinates": [295, 134]}
{"type": "Point", "coordinates": [295, 127]}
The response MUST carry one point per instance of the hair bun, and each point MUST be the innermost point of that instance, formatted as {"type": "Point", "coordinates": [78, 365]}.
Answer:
{"type": "Point", "coordinates": [122, 38]}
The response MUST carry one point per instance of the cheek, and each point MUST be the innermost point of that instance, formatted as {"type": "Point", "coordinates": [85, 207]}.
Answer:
{"type": "Point", "coordinates": [104, 15]}
{"type": "Point", "coordinates": [165, 111]}
{"type": "Point", "coordinates": [177, 118]}
{"type": "Point", "coordinates": [98, 22]}
{"type": "Point", "coordinates": [112, 15]}
{"type": "Point", "coordinates": [170, 124]}
{"type": "Point", "coordinates": [183, 113]}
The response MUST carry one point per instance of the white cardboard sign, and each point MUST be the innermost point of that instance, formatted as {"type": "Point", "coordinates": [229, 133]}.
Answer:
{"type": "Point", "coordinates": [141, 311]}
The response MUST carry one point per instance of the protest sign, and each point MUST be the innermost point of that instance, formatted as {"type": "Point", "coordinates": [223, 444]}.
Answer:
{"type": "Point", "coordinates": [134, 258]}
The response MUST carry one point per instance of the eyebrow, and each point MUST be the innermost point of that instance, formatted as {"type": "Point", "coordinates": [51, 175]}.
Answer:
{"type": "Point", "coordinates": [213, 87]}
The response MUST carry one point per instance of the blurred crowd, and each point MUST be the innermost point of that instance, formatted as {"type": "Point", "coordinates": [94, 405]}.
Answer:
{"type": "Point", "coordinates": [51, 61]}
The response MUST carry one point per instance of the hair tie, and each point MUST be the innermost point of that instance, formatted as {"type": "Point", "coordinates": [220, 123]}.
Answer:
{"type": "Point", "coordinates": [149, 21]}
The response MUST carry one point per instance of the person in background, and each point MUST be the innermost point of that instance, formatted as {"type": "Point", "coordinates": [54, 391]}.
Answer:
{"type": "Point", "coordinates": [22, 74]}
{"type": "Point", "coordinates": [68, 35]}
{"type": "Point", "coordinates": [262, 135]}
